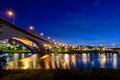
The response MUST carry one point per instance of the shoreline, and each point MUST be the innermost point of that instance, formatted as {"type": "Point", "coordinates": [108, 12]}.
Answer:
{"type": "Point", "coordinates": [92, 52]}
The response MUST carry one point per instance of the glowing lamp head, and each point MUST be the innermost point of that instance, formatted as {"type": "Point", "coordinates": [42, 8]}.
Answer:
{"type": "Point", "coordinates": [59, 44]}
{"type": "Point", "coordinates": [48, 37]}
{"type": "Point", "coordinates": [31, 27]}
{"type": "Point", "coordinates": [63, 44]}
{"type": "Point", "coordinates": [103, 49]}
{"type": "Point", "coordinates": [53, 40]}
{"type": "Point", "coordinates": [55, 43]}
{"type": "Point", "coordinates": [41, 34]}
{"type": "Point", "coordinates": [10, 13]}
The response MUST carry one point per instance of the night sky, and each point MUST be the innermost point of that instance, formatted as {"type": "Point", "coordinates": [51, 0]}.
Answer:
{"type": "Point", "coordinates": [81, 22]}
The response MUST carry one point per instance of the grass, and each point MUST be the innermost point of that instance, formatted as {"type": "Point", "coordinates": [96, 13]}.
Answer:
{"type": "Point", "coordinates": [15, 51]}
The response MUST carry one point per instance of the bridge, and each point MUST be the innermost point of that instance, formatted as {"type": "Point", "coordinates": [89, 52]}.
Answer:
{"type": "Point", "coordinates": [10, 31]}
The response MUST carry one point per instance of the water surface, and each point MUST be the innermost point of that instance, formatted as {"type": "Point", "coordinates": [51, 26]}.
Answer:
{"type": "Point", "coordinates": [63, 61]}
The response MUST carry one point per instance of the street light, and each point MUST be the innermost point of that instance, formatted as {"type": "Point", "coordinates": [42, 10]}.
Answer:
{"type": "Point", "coordinates": [41, 34]}
{"type": "Point", "coordinates": [11, 14]}
{"type": "Point", "coordinates": [55, 43]}
{"type": "Point", "coordinates": [48, 37]}
{"type": "Point", "coordinates": [53, 40]}
{"type": "Point", "coordinates": [31, 28]}
{"type": "Point", "coordinates": [59, 44]}
{"type": "Point", "coordinates": [63, 44]}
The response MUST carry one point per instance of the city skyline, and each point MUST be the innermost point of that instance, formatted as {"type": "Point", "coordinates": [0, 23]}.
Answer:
{"type": "Point", "coordinates": [88, 22]}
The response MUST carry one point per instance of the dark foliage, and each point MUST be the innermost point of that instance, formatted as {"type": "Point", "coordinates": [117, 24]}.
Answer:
{"type": "Point", "coordinates": [59, 74]}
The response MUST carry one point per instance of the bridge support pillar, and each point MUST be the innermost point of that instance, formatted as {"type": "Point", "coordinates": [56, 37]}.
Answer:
{"type": "Point", "coordinates": [16, 56]}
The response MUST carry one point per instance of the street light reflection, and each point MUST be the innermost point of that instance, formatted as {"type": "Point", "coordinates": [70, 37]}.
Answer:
{"type": "Point", "coordinates": [103, 60]}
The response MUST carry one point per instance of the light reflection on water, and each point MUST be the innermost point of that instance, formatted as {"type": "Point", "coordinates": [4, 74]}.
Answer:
{"type": "Point", "coordinates": [64, 61]}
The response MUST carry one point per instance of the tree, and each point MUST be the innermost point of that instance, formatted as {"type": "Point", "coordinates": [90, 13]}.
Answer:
{"type": "Point", "coordinates": [55, 49]}
{"type": "Point", "coordinates": [3, 62]}
{"type": "Point", "coordinates": [90, 47]}
{"type": "Point", "coordinates": [2, 46]}
{"type": "Point", "coordinates": [62, 48]}
{"type": "Point", "coordinates": [100, 47]}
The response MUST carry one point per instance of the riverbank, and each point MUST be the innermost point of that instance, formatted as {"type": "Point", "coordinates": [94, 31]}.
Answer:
{"type": "Point", "coordinates": [88, 51]}
{"type": "Point", "coordinates": [72, 51]}
{"type": "Point", "coordinates": [15, 51]}
{"type": "Point", "coordinates": [60, 74]}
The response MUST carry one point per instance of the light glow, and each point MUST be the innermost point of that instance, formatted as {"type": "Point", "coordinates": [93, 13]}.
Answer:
{"type": "Point", "coordinates": [31, 27]}
{"type": "Point", "coordinates": [41, 34]}
{"type": "Point", "coordinates": [10, 13]}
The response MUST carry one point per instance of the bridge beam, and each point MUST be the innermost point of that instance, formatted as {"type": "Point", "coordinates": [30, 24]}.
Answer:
{"type": "Point", "coordinates": [8, 30]}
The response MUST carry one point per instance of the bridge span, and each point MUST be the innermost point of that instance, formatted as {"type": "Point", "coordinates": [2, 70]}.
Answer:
{"type": "Point", "coordinates": [11, 31]}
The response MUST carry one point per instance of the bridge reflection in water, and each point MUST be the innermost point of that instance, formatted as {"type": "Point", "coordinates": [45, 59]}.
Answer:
{"type": "Point", "coordinates": [63, 61]}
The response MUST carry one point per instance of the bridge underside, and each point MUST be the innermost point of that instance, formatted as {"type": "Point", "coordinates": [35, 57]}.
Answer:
{"type": "Point", "coordinates": [10, 31]}
{"type": "Point", "coordinates": [32, 45]}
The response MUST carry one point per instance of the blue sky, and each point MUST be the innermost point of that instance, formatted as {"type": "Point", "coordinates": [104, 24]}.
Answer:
{"type": "Point", "coordinates": [81, 22]}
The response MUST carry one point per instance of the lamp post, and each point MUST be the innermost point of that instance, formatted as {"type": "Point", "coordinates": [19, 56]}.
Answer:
{"type": "Point", "coordinates": [11, 14]}
{"type": "Point", "coordinates": [31, 29]}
